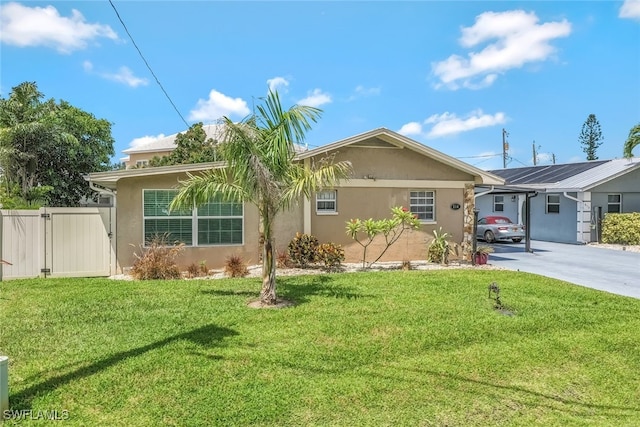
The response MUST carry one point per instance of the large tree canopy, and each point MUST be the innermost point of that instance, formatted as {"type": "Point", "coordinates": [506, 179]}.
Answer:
{"type": "Point", "coordinates": [632, 141]}
{"type": "Point", "coordinates": [193, 146]}
{"type": "Point", "coordinates": [46, 147]}
{"type": "Point", "coordinates": [260, 169]}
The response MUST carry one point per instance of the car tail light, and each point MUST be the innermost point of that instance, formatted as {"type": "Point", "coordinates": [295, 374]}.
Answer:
{"type": "Point", "coordinates": [503, 228]}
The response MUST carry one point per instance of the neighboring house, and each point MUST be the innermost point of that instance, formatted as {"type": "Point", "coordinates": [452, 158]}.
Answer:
{"type": "Point", "coordinates": [388, 170]}
{"type": "Point", "coordinates": [568, 201]}
{"type": "Point", "coordinates": [140, 155]}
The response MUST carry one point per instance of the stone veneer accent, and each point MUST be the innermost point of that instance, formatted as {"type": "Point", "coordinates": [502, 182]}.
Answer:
{"type": "Point", "coordinates": [468, 206]}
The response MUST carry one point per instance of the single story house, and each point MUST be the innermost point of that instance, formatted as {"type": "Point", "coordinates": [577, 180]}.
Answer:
{"type": "Point", "coordinates": [389, 170]}
{"type": "Point", "coordinates": [567, 201]}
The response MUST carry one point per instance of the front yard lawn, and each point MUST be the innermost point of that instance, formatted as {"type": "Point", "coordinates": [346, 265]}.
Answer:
{"type": "Point", "coordinates": [360, 349]}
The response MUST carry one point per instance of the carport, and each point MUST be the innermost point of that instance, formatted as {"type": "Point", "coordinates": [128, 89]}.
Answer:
{"type": "Point", "coordinates": [507, 190]}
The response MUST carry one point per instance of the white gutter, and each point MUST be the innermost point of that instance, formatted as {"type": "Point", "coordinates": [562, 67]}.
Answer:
{"type": "Point", "coordinates": [475, 196]}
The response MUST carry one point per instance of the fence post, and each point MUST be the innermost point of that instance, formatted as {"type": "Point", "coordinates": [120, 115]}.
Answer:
{"type": "Point", "coordinates": [4, 386]}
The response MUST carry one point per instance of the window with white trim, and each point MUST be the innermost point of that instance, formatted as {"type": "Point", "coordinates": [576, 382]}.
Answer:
{"type": "Point", "coordinates": [553, 203]}
{"type": "Point", "coordinates": [614, 203]}
{"type": "Point", "coordinates": [214, 223]}
{"type": "Point", "coordinates": [423, 204]}
{"type": "Point", "coordinates": [326, 201]}
{"type": "Point", "coordinates": [142, 163]}
{"type": "Point", "coordinates": [498, 203]}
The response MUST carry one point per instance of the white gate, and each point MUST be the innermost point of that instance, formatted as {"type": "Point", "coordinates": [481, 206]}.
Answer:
{"type": "Point", "coordinates": [58, 242]}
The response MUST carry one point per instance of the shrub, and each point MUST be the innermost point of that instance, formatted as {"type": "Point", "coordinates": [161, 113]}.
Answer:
{"type": "Point", "coordinates": [303, 250]}
{"type": "Point", "coordinates": [439, 249]}
{"type": "Point", "coordinates": [331, 255]}
{"type": "Point", "coordinates": [193, 270]}
{"type": "Point", "coordinates": [283, 260]}
{"type": "Point", "coordinates": [203, 268]}
{"type": "Point", "coordinates": [622, 229]}
{"type": "Point", "coordinates": [235, 266]}
{"type": "Point", "coordinates": [157, 260]}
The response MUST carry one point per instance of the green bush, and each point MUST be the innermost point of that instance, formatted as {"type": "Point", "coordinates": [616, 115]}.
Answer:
{"type": "Point", "coordinates": [331, 255]}
{"type": "Point", "coordinates": [439, 248]}
{"type": "Point", "coordinates": [621, 228]}
{"type": "Point", "coordinates": [303, 250]}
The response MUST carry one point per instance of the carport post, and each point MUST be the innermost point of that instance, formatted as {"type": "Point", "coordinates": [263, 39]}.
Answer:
{"type": "Point", "coordinates": [527, 222]}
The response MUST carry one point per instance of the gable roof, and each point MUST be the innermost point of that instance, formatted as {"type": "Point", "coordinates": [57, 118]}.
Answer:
{"type": "Point", "coordinates": [395, 139]}
{"type": "Point", "coordinates": [387, 137]}
{"type": "Point", "coordinates": [568, 177]}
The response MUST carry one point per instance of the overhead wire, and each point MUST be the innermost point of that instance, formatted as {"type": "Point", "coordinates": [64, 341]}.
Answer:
{"type": "Point", "coordinates": [147, 63]}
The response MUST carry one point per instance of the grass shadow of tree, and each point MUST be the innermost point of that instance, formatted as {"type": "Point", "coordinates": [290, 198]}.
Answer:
{"type": "Point", "coordinates": [205, 336]}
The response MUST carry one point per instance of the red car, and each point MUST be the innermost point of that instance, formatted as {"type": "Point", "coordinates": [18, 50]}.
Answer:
{"type": "Point", "coordinates": [496, 228]}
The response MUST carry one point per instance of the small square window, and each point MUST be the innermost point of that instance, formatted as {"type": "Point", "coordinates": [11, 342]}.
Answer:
{"type": "Point", "coordinates": [422, 204]}
{"type": "Point", "coordinates": [326, 201]}
{"type": "Point", "coordinates": [553, 203]}
{"type": "Point", "coordinates": [614, 203]}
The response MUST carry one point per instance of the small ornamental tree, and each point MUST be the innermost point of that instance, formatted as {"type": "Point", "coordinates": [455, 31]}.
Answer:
{"type": "Point", "coordinates": [365, 231]}
{"type": "Point", "coordinates": [632, 141]}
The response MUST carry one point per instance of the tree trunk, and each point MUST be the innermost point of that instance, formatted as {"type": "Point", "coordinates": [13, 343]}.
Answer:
{"type": "Point", "coordinates": [268, 293]}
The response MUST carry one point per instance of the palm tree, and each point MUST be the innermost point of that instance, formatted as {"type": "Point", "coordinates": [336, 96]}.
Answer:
{"type": "Point", "coordinates": [632, 141]}
{"type": "Point", "coordinates": [261, 169]}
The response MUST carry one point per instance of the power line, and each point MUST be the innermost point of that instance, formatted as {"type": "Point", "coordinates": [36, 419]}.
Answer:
{"type": "Point", "coordinates": [479, 156]}
{"type": "Point", "coordinates": [146, 63]}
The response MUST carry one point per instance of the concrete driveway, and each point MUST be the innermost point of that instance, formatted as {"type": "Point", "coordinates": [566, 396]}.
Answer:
{"type": "Point", "coordinates": [617, 272]}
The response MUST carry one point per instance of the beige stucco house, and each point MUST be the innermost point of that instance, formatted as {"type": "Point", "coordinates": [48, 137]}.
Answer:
{"type": "Point", "coordinates": [389, 170]}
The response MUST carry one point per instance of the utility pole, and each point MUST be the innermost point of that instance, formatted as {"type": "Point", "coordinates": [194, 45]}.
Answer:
{"type": "Point", "coordinates": [505, 148]}
{"type": "Point", "coordinates": [535, 155]}
{"type": "Point", "coordinates": [553, 158]}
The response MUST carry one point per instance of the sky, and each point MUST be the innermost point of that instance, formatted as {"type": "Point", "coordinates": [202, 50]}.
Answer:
{"type": "Point", "coordinates": [449, 74]}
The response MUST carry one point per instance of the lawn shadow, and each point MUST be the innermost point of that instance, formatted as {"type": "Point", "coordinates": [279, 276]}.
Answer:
{"type": "Point", "coordinates": [205, 336]}
{"type": "Point", "coordinates": [227, 293]}
{"type": "Point", "coordinates": [300, 288]}
{"type": "Point", "coordinates": [516, 392]}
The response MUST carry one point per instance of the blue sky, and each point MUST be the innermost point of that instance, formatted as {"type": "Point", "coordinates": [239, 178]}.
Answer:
{"type": "Point", "coordinates": [450, 75]}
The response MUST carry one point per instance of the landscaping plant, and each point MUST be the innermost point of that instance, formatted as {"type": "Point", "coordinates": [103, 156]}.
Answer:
{"type": "Point", "coordinates": [439, 248]}
{"type": "Point", "coordinates": [303, 250]}
{"type": "Point", "coordinates": [235, 266]}
{"type": "Point", "coordinates": [157, 260]}
{"type": "Point", "coordinates": [390, 228]}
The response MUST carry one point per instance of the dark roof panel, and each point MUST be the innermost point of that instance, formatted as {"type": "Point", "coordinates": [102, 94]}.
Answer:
{"type": "Point", "coordinates": [544, 174]}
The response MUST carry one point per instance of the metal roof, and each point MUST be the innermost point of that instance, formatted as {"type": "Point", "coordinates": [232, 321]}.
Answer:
{"type": "Point", "coordinates": [568, 177]}
{"type": "Point", "coordinates": [546, 174]}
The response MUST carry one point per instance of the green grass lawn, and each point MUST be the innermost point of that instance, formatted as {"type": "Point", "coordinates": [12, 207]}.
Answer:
{"type": "Point", "coordinates": [361, 349]}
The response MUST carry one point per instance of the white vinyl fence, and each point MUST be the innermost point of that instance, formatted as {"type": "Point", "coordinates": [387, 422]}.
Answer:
{"type": "Point", "coordinates": [57, 242]}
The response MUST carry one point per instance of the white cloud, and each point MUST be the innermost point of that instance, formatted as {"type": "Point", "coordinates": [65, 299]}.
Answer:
{"type": "Point", "coordinates": [24, 26]}
{"type": "Point", "coordinates": [278, 82]}
{"type": "Point", "coordinates": [144, 140]}
{"type": "Point", "coordinates": [123, 75]}
{"type": "Point", "coordinates": [217, 106]}
{"type": "Point", "coordinates": [361, 92]}
{"type": "Point", "coordinates": [449, 124]}
{"type": "Point", "coordinates": [630, 9]}
{"type": "Point", "coordinates": [411, 128]}
{"type": "Point", "coordinates": [515, 39]}
{"type": "Point", "coordinates": [315, 98]}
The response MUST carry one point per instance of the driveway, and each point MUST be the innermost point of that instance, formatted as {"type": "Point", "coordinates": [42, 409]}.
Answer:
{"type": "Point", "coordinates": [614, 271]}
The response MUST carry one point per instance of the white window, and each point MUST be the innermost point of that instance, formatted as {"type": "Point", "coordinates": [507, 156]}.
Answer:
{"type": "Point", "coordinates": [614, 203]}
{"type": "Point", "coordinates": [553, 203]}
{"type": "Point", "coordinates": [422, 204]}
{"type": "Point", "coordinates": [326, 201]}
{"type": "Point", "coordinates": [142, 163]}
{"type": "Point", "coordinates": [213, 223]}
{"type": "Point", "coordinates": [498, 203]}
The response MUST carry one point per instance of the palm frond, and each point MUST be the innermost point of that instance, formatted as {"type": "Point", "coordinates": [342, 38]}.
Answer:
{"type": "Point", "coordinates": [200, 189]}
{"type": "Point", "coordinates": [305, 180]}
{"type": "Point", "coordinates": [632, 141]}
